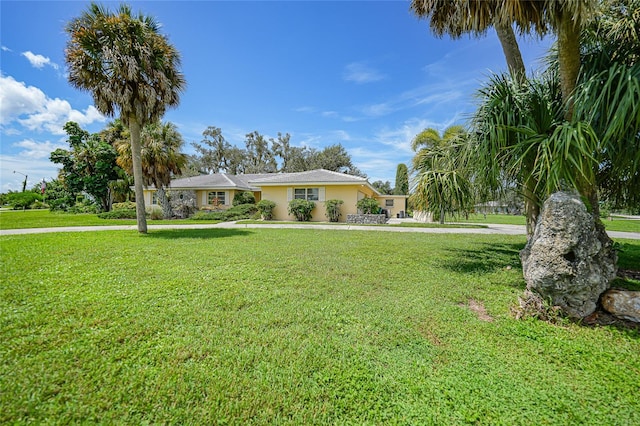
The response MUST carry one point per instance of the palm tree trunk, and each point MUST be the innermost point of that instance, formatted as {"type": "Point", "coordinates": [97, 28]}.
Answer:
{"type": "Point", "coordinates": [442, 216]}
{"type": "Point", "coordinates": [164, 203]}
{"type": "Point", "coordinates": [136, 157]}
{"type": "Point", "coordinates": [511, 51]}
{"type": "Point", "coordinates": [531, 207]}
{"type": "Point", "coordinates": [568, 59]}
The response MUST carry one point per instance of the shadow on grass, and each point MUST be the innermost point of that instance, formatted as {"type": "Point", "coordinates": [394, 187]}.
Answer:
{"type": "Point", "coordinates": [204, 234]}
{"type": "Point", "coordinates": [628, 256]}
{"type": "Point", "coordinates": [484, 258]}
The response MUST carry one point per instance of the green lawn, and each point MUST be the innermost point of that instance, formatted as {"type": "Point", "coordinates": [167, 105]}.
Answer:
{"type": "Point", "coordinates": [10, 219]}
{"type": "Point", "coordinates": [613, 224]}
{"type": "Point", "coordinates": [19, 219]}
{"type": "Point", "coordinates": [286, 326]}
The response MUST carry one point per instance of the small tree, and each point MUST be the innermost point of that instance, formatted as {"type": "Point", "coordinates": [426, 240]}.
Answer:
{"type": "Point", "coordinates": [301, 209]}
{"type": "Point", "coordinates": [402, 180]}
{"type": "Point", "coordinates": [265, 208]}
{"type": "Point", "coordinates": [368, 206]}
{"type": "Point", "coordinates": [333, 209]}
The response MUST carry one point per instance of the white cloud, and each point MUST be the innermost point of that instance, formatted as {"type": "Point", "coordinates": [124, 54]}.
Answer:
{"type": "Point", "coordinates": [35, 169]}
{"type": "Point", "coordinates": [305, 109]}
{"type": "Point", "coordinates": [378, 110]}
{"type": "Point", "coordinates": [32, 109]}
{"type": "Point", "coordinates": [17, 99]}
{"type": "Point", "coordinates": [400, 137]}
{"type": "Point", "coordinates": [37, 150]}
{"type": "Point", "coordinates": [5, 49]}
{"type": "Point", "coordinates": [39, 61]}
{"type": "Point", "coordinates": [341, 135]}
{"type": "Point", "coordinates": [360, 73]}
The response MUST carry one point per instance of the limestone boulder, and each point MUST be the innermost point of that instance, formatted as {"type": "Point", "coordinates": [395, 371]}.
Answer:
{"type": "Point", "coordinates": [623, 304]}
{"type": "Point", "coordinates": [567, 261]}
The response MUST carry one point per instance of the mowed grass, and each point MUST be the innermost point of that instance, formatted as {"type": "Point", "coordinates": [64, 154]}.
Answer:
{"type": "Point", "coordinates": [611, 224]}
{"type": "Point", "coordinates": [19, 219]}
{"type": "Point", "coordinates": [11, 219]}
{"type": "Point", "coordinates": [287, 326]}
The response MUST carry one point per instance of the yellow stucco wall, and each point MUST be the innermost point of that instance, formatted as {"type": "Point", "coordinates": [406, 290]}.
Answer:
{"type": "Point", "coordinates": [398, 204]}
{"type": "Point", "coordinates": [350, 194]}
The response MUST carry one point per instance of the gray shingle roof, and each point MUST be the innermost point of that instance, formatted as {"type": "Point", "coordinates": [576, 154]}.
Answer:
{"type": "Point", "coordinates": [217, 181]}
{"type": "Point", "coordinates": [311, 176]}
{"type": "Point", "coordinates": [253, 182]}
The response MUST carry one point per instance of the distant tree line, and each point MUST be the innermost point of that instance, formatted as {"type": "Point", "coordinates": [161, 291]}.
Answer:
{"type": "Point", "coordinates": [214, 154]}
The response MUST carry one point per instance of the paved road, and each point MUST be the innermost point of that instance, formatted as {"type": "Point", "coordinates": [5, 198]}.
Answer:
{"type": "Point", "coordinates": [490, 229]}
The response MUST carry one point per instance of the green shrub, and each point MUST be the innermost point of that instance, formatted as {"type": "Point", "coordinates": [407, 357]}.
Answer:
{"type": "Point", "coordinates": [127, 205]}
{"type": "Point", "coordinates": [22, 200]}
{"type": "Point", "coordinates": [119, 214]}
{"type": "Point", "coordinates": [39, 205]}
{"type": "Point", "coordinates": [242, 211]}
{"type": "Point", "coordinates": [85, 207]}
{"type": "Point", "coordinates": [333, 210]}
{"type": "Point", "coordinates": [245, 197]}
{"type": "Point", "coordinates": [301, 209]}
{"type": "Point", "coordinates": [265, 209]}
{"type": "Point", "coordinates": [368, 206]}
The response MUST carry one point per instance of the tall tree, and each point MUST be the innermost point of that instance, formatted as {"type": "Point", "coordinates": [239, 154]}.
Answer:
{"type": "Point", "coordinates": [383, 187]}
{"type": "Point", "coordinates": [161, 158]}
{"type": "Point", "coordinates": [89, 166]}
{"type": "Point", "coordinates": [402, 180]}
{"type": "Point", "coordinates": [334, 158]}
{"type": "Point", "coordinates": [260, 158]}
{"type": "Point", "coordinates": [293, 157]}
{"type": "Point", "coordinates": [128, 66]}
{"type": "Point", "coordinates": [213, 150]}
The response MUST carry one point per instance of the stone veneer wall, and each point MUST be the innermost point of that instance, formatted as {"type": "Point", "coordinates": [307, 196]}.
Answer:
{"type": "Point", "coordinates": [367, 218]}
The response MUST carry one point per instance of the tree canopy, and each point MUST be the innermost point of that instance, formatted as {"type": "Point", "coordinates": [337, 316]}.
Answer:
{"type": "Point", "coordinates": [88, 166]}
{"type": "Point", "coordinates": [260, 155]}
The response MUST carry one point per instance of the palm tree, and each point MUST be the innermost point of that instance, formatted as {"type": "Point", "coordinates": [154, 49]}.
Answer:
{"type": "Point", "coordinates": [565, 17]}
{"type": "Point", "coordinates": [608, 98]}
{"type": "Point", "coordinates": [441, 184]}
{"type": "Point", "coordinates": [161, 158]}
{"type": "Point", "coordinates": [510, 132]}
{"type": "Point", "coordinates": [128, 66]}
{"type": "Point", "coordinates": [474, 17]}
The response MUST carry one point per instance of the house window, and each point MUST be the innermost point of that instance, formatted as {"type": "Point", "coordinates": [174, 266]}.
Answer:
{"type": "Point", "coordinates": [216, 197]}
{"type": "Point", "coordinates": [388, 203]}
{"type": "Point", "coordinates": [309, 194]}
{"type": "Point", "coordinates": [154, 197]}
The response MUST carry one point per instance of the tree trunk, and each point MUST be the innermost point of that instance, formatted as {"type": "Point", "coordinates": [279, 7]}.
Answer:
{"type": "Point", "coordinates": [568, 58]}
{"type": "Point", "coordinates": [136, 156]}
{"type": "Point", "coordinates": [531, 206]}
{"type": "Point", "coordinates": [167, 212]}
{"type": "Point", "coordinates": [511, 51]}
{"type": "Point", "coordinates": [441, 216]}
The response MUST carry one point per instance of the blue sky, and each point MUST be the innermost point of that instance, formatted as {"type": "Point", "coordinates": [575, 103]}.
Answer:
{"type": "Point", "coordinates": [366, 74]}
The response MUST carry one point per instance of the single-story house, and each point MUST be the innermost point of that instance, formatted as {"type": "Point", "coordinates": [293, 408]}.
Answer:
{"type": "Point", "coordinates": [218, 190]}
